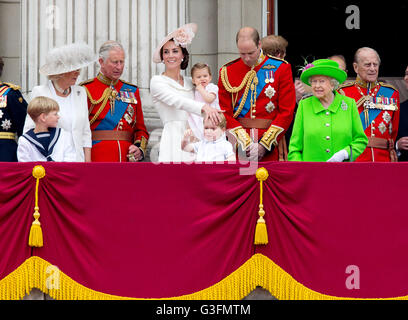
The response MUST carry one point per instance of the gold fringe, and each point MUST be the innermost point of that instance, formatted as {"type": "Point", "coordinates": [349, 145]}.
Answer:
{"type": "Point", "coordinates": [259, 270]}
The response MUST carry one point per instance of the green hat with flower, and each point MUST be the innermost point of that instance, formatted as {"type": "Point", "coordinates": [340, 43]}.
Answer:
{"type": "Point", "coordinates": [323, 67]}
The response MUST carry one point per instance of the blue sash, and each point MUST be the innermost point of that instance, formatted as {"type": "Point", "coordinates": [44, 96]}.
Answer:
{"type": "Point", "coordinates": [111, 121]}
{"type": "Point", "coordinates": [262, 74]}
{"type": "Point", "coordinates": [374, 113]}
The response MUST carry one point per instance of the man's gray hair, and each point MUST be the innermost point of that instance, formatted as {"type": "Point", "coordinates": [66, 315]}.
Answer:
{"type": "Point", "coordinates": [357, 54]}
{"type": "Point", "coordinates": [108, 47]}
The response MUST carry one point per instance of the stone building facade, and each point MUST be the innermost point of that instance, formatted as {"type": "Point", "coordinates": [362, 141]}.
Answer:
{"type": "Point", "coordinates": [35, 26]}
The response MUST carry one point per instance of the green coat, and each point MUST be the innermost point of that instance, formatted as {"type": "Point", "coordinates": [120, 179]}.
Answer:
{"type": "Point", "coordinates": [318, 133]}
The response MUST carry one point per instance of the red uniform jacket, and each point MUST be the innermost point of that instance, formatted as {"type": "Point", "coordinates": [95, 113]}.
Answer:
{"type": "Point", "coordinates": [379, 113]}
{"type": "Point", "coordinates": [263, 98]}
{"type": "Point", "coordinates": [116, 118]}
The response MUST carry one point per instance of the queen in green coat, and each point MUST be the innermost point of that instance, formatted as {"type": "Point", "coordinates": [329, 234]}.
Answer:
{"type": "Point", "coordinates": [327, 125]}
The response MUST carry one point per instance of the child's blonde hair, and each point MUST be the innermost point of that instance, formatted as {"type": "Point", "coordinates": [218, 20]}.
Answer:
{"type": "Point", "coordinates": [223, 121]}
{"type": "Point", "coordinates": [200, 66]}
{"type": "Point", "coordinates": [40, 105]}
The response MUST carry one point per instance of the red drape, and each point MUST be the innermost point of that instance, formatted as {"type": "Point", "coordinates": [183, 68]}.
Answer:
{"type": "Point", "coordinates": [154, 231]}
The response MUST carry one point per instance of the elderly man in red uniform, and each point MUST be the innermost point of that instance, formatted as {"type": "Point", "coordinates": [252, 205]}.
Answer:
{"type": "Point", "coordinates": [115, 111]}
{"type": "Point", "coordinates": [378, 104]}
{"type": "Point", "coordinates": [258, 96]}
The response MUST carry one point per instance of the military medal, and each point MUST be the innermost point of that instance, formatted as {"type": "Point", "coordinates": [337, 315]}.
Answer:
{"type": "Point", "coordinates": [3, 102]}
{"type": "Point", "coordinates": [269, 77]}
{"type": "Point", "coordinates": [6, 125]}
{"type": "Point", "coordinates": [133, 97]}
{"type": "Point", "coordinates": [270, 92]}
{"type": "Point", "coordinates": [266, 77]}
{"type": "Point", "coordinates": [369, 103]}
{"type": "Point", "coordinates": [128, 119]}
{"type": "Point", "coordinates": [130, 110]}
{"type": "Point", "coordinates": [270, 107]}
{"type": "Point", "coordinates": [386, 117]}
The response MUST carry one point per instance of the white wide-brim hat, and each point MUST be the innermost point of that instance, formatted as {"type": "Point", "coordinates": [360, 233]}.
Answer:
{"type": "Point", "coordinates": [68, 58]}
{"type": "Point", "coordinates": [183, 36]}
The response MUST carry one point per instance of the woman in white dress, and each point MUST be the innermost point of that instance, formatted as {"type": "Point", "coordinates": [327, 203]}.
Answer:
{"type": "Point", "coordinates": [62, 68]}
{"type": "Point", "coordinates": [173, 94]}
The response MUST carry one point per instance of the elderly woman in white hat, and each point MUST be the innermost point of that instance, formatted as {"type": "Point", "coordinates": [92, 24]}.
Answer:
{"type": "Point", "coordinates": [62, 68]}
{"type": "Point", "coordinates": [173, 94]}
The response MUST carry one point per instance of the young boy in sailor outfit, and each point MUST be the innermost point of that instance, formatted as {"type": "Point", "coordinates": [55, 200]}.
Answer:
{"type": "Point", "coordinates": [45, 142]}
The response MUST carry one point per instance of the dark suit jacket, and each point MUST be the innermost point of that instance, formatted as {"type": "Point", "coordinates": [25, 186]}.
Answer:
{"type": "Point", "coordinates": [403, 128]}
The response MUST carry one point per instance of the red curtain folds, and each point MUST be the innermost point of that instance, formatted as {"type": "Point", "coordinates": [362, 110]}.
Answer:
{"type": "Point", "coordinates": [329, 221]}
{"type": "Point", "coordinates": [158, 231]}
{"type": "Point", "coordinates": [16, 215]}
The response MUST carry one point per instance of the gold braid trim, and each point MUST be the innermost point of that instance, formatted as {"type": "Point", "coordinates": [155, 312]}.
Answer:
{"type": "Point", "coordinates": [142, 144]}
{"type": "Point", "coordinates": [242, 137]}
{"type": "Point", "coordinates": [249, 79]}
{"type": "Point", "coordinates": [12, 86]}
{"type": "Point", "coordinates": [105, 98]}
{"type": "Point", "coordinates": [270, 137]}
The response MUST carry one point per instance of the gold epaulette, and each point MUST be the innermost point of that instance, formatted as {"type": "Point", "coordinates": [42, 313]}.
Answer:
{"type": "Point", "coordinates": [128, 83]}
{"type": "Point", "coordinates": [346, 84]}
{"type": "Point", "coordinates": [231, 62]}
{"type": "Point", "coordinates": [276, 58]}
{"type": "Point", "coordinates": [12, 86]}
{"type": "Point", "coordinates": [384, 84]}
{"type": "Point", "coordinates": [86, 82]}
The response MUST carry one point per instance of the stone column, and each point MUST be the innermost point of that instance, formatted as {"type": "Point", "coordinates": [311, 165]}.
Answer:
{"type": "Point", "coordinates": [10, 48]}
{"type": "Point", "coordinates": [233, 15]}
{"type": "Point", "coordinates": [138, 24]}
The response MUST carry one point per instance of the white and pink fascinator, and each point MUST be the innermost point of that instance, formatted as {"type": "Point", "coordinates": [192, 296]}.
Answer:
{"type": "Point", "coordinates": [183, 37]}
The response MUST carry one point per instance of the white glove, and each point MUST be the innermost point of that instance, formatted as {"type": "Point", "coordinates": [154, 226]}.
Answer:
{"type": "Point", "coordinates": [339, 156]}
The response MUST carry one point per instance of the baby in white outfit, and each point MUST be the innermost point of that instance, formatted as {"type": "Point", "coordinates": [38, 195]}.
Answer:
{"type": "Point", "coordinates": [214, 146]}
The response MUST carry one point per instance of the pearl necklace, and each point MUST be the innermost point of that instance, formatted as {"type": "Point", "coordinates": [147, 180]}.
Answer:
{"type": "Point", "coordinates": [61, 91]}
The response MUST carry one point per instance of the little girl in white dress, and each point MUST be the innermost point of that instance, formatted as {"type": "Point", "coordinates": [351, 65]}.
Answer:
{"type": "Point", "coordinates": [205, 91]}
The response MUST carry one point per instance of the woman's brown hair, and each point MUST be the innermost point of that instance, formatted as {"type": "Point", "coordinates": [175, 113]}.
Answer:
{"type": "Point", "coordinates": [186, 59]}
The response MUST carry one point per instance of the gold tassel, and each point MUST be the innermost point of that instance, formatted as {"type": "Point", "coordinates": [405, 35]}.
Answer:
{"type": "Point", "coordinates": [35, 238]}
{"type": "Point", "coordinates": [261, 232]}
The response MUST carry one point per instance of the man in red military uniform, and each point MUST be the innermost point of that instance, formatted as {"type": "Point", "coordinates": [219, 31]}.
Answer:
{"type": "Point", "coordinates": [115, 111]}
{"type": "Point", "coordinates": [378, 104]}
{"type": "Point", "coordinates": [258, 96]}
